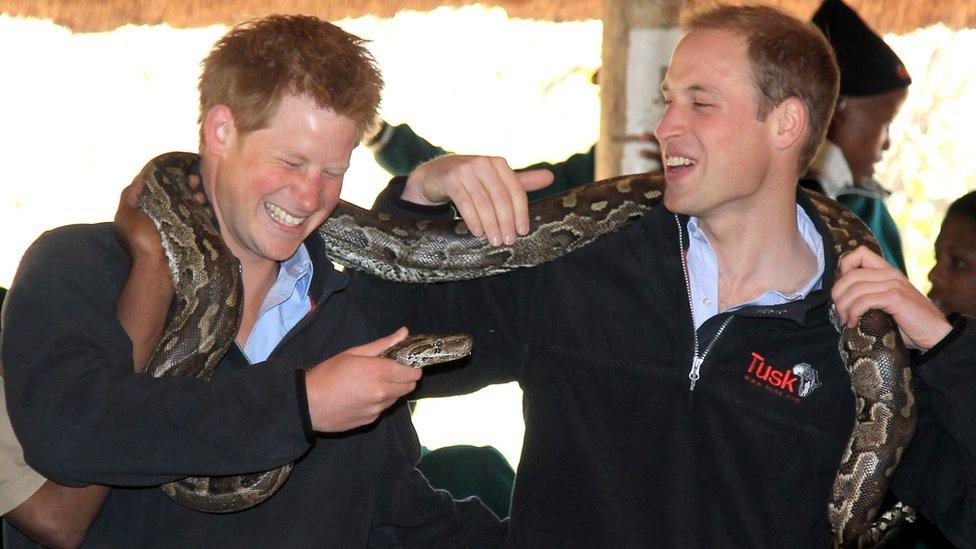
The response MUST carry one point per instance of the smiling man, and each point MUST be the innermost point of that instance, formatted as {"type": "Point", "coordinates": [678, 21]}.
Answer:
{"type": "Point", "coordinates": [283, 102]}
{"type": "Point", "coordinates": [681, 381]}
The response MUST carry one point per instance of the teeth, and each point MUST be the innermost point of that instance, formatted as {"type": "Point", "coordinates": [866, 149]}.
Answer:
{"type": "Point", "coordinates": [679, 161]}
{"type": "Point", "coordinates": [281, 216]}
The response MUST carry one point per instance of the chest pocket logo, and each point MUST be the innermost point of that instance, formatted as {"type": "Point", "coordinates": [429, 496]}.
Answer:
{"type": "Point", "coordinates": [794, 383]}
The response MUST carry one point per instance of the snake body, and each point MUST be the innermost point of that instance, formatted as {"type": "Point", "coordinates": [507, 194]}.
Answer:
{"type": "Point", "coordinates": [439, 251]}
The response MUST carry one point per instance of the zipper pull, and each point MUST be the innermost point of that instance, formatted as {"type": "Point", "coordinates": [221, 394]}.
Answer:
{"type": "Point", "coordinates": [694, 374]}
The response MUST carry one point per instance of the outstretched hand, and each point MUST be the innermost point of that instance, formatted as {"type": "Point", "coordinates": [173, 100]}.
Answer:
{"type": "Point", "coordinates": [355, 386]}
{"type": "Point", "coordinates": [488, 194]}
{"type": "Point", "coordinates": [867, 282]}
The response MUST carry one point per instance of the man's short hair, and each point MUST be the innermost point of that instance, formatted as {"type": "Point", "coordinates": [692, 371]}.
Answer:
{"type": "Point", "coordinates": [260, 61]}
{"type": "Point", "coordinates": [788, 58]}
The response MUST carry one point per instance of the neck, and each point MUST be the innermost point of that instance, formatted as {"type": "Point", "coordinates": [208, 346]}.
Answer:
{"type": "Point", "coordinates": [759, 251]}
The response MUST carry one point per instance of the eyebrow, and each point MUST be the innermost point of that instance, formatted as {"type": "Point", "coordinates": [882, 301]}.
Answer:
{"type": "Point", "coordinates": [694, 88]}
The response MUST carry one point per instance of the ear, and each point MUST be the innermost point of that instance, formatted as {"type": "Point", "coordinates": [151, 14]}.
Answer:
{"type": "Point", "coordinates": [789, 123]}
{"type": "Point", "coordinates": [219, 130]}
{"type": "Point", "coordinates": [839, 117]}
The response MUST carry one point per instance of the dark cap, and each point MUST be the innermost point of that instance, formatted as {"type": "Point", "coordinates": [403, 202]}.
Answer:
{"type": "Point", "coordinates": [867, 65]}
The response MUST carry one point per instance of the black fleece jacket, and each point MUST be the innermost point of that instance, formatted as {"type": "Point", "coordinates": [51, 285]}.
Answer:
{"type": "Point", "coordinates": [84, 417]}
{"type": "Point", "coordinates": [938, 473]}
{"type": "Point", "coordinates": [618, 451]}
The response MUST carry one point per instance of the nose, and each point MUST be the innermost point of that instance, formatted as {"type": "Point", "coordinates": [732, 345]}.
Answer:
{"type": "Point", "coordinates": [671, 124]}
{"type": "Point", "coordinates": [886, 141]}
{"type": "Point", "coordinates": [307, 191]}
{"type": "Point", "coordinates": [937, 275]}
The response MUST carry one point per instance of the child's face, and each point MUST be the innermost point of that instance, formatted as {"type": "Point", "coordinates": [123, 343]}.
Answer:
{"type": "Point", "coordinates": [954, 275]}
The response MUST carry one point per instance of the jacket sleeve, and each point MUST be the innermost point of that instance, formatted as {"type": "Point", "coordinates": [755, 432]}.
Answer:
{"type": "Point", "coordinates": [398, 149]}
{"type": "Point", "coordinates": [949, 375]}
{"type": "Point", "coordinates": [938, 472]}
{"type": "Point", "coordinates": [81, 413]}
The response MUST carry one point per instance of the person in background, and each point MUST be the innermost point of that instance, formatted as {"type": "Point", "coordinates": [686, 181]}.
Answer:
{"type": "Point", "coordinates": [873, 86]}
{"type": "Point", "coordinates": [954, 275]}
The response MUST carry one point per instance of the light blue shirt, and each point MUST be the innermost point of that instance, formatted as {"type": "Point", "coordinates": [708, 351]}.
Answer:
{"type": "Point", "coordinates": [287, 302]}
{"type": "Point", "coordinates": [703, 271]}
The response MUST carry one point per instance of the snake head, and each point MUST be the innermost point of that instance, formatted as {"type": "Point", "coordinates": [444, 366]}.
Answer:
{"type": "Point", "coordinates": [422, 350]}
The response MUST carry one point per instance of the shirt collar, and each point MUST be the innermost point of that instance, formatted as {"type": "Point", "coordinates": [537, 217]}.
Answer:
{"type": "Point", "coordinates": [703, 274]}
{"type": "Point", "coordinates": [294, 276]}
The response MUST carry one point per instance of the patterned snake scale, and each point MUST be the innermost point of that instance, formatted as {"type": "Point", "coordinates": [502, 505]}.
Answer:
{"type": "Point", "coordinates": [207, 315]}
{"type": "Point", "coordinates": [438, 251]}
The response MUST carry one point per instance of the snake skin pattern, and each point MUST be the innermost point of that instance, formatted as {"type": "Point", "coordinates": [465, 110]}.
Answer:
{"type": "Point", "coordinates": [438, 251]}
{"type": "Point", "coordinates": [209, 300]}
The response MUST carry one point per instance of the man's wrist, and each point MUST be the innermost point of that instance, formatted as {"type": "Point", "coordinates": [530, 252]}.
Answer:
{"type": "Point", "coordinates": [957, 323]}
{"type": "Point", "coordinates": [151, 266]}
{"type": "Point", "coordinates": [414, 190]}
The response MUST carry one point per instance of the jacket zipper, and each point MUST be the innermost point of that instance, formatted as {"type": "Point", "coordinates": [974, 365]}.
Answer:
{"type": "Point", "coordinates": [696, 360]}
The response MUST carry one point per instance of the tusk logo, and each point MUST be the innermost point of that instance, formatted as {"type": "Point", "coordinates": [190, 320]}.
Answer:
{"type": "Point", "coordinates": [808, 379]}
{"type": "Point", "coordinates": [795, 383]}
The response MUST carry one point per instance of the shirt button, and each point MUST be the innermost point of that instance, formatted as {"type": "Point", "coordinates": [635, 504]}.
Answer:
{"type": "Point", "coordinates": [707, 302]}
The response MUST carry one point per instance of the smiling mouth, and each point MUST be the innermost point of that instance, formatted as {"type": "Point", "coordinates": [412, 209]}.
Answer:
{"type": "Point", "coordinates": [281, 216]}
{"type": "Point", "coordinates": [678, 162]}
{"type": "Point", "coordinates": [676, 166]}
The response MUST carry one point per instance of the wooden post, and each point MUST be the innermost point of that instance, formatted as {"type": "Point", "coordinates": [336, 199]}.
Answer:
{"type": "Point", "coordinates": [638, 38]}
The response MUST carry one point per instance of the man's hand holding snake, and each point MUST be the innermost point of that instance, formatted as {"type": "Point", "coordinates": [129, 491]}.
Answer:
{"type": "Point", "coordinates": [354, 387]}
{"type": "Point", "coordinates": [869, 282]}
{"type": "Point", "coordinates": [488, 195]}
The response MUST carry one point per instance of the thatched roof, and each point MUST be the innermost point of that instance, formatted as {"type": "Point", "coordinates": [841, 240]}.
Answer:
{"type": "Point", "coordinates": [898, 16]}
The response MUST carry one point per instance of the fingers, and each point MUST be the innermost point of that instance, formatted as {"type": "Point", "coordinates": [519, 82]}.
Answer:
{"type": "Point", "coordinates": [863, 290]}
{"type": "Point", "coordinates": [492, 189]}
{"type": "Point", "coordinates": [863, 265]}
{"type": "Point", "coordinates": [531, 180]}
{"type": "Point", "coordinates": [465, 205]}
{"type": "Point", "coordinates": [865, 278]}
{"type": "Point", "coordinates": [487, 193]}
{"type": "Point", "coordinates": [377, 346]}
{"type": "Point", "coordinates": [485, 188]}
{"type": "Point", "coordinates": [869, 282]}
{"type": "Point", "coordinates": [354, 387]}
{"type": "Point", "coordinates": [129, 198]}
{"type": "Point", "coordinates": [197, 190]}
{"type": "Point", "coordinates": [862, 257]}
